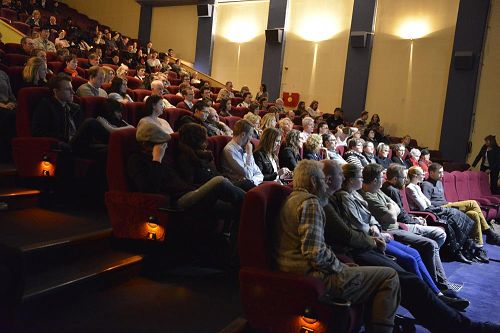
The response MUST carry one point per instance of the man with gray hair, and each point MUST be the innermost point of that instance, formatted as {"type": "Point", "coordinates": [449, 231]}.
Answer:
{"type": "Point", "coordinates": [280, 105]}
{"type": "Point", "coordinates": [300, 248]}
{"type": "Point", "coordinates": [157, 88]}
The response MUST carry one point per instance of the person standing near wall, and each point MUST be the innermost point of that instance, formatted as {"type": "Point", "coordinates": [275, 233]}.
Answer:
{"type": "Point", "coordinates": [489, 155]}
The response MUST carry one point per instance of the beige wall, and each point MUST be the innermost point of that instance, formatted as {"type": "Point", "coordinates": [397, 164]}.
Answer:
{"type": "Point", "coordinates": [316, 50]}
{"type": "Point", "coordinates": [9, 33]}
{"type": "Point", "coordinates": [239, 43]}
{"type": "Point", "coordinates": [408, 89]}
{"type": "Point", "coordinates": [175, 27]}
{"type": "Point", "coordinates": [487, 120]}
{"type": "Point", "coordinates": [120, 15]}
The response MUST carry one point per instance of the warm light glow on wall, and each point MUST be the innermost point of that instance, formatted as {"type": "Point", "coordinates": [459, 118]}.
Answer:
{"type": "Point", "coordinates": [318, 27]}
{"type": "Point", "coordinates": [414, 29]}
{"type": "Point", "coordinates": [240, 30]}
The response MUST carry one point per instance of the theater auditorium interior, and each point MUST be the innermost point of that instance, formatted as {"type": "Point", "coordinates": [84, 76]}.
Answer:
{"type": "Point", "coordinates": [222, 166]}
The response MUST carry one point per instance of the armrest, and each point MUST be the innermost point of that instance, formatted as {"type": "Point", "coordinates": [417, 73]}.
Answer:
{"type": "Point", "coordinates": [429, 217]}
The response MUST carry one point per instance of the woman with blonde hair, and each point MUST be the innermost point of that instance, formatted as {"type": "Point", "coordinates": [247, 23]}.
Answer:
{"type": "Point", "coordinates": [109, 74]}
{"type": "Point", "coordinates": [255, 121]}
{"type": "Point", "coordinates": [312, 147]}
{"type": "Point", "coordinates": [35, 72]}
{"type": "Point", "coordinates": [268, 121]}
{"type": "Point", "coordinates": [266, 156]}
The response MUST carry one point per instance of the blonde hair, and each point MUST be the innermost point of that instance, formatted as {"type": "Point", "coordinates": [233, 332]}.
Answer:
{"type": "Point", "coordinates": [266, 121]}
{"type": "Point", "coordinates": [122, 70]}
{"type": "Point", "coordinates": [313, 142]}
{"type": "Point", "coordinates": [252, 118]}
{"type": "Point", "coordinates": [303, 172]}
{"type": "Point", "coordinates": [30, 71]}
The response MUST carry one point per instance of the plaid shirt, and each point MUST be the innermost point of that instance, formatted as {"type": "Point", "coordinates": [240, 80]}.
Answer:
{"type": "Point", "coordinates": [300, 246]}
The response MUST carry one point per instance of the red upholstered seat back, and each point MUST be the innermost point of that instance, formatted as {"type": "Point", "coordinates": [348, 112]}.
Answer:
{"type": "Point", "coordinates": [216, 144]}
{"type": "Point", "coordinates": [173, 99]}
{"type": "Point", "coordinates": [92, 106]}
{"type": "Point", "coordinates": [473, 179]}
{"type": "Point", "coordinates": [8, 13]}
{"type": "Point", "coordinates": [140, 94]}
{"type": "Point", "coordinates": [15, 74]}
{"type": "Point", "coordinates": [121, 144]}
{"type": "Point", "coordinates": [236, 100]}
{"type": "Point", "coordinates": [13, 48]}
{"type": "Point", "coordinates": [230, 121]}
{"type": "Point", "coordinates": [135, 111]}
{"type": "Point", "coordinates": [134, 83]}
{"type": "Point", "coordinates": [13, 59]}
{"type": "Point", "coordinates": [259, 214]}
{"type": "Point", "coordinates": [173, 89]}
{"type": "Point", "coordinates": [340, 150]}
{"type": "Point", "coordinates": [461, 184]}
{"type": "Point", "coordinates": [406, 206]}
{"type": "Point", "coordinates": [450, 190]}
{"type": "Point", "coordinates": [173, 114]}
{"type": "Point", "coordinates": [56, 66]}
{"type": "Point", "coordinates": [77, 81]}
{"type": "Point", "coordinates": [239, 111]}
{"type": "Point", "coordinates": [27, 100]}
{"type": "Point", "coordinates": [51, 56]}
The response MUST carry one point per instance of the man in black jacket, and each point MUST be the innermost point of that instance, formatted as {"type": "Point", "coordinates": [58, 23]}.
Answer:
{"type": "Point", "coordinates": [59, 118]}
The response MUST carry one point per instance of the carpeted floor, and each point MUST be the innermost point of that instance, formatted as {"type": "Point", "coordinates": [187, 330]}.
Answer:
{"type": "Point", "coordinates": [481, 286]}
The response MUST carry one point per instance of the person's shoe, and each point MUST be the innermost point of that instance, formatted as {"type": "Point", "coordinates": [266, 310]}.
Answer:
{"type": "Point", "coordinates": [459, 304]}
{"type": "Point", "coordinates": [481, 256]}
{"type": "Point", "coordinates": [461, 258]}
{"type": "Point", "coordinates": [450, 293]}
{"type": "Point", "coordinates": [492, 238]}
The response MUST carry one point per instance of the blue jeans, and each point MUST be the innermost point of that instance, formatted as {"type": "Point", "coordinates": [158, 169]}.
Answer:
{"type": "Point", "coordinates": [411, 261]}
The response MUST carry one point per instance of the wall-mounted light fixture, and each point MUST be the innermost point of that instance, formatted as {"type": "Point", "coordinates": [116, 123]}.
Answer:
{"type": "Point", "coordinates": [413, 29]}
{"type": "Point", "coordinates": [152, 224]}
{"type": "Point", "coordinates": [47, 167]}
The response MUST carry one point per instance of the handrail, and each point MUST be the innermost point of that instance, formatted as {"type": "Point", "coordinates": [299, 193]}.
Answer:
{"type": "Point", "coordinates": [10, 34]}
{"type": "Point", "coordinates": [213, 82]}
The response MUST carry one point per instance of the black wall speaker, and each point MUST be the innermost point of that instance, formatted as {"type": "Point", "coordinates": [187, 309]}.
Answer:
{"type": "Point", "coordinates": [463, 60]}
{"type": "Point", "coordinates": [274, 35]}
{"type": "Point", "coordinates": [205, 10]}
{"type": "Point", "coordinates": [359, 38]}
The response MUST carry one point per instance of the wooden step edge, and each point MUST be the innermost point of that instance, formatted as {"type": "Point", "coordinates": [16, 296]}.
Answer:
{"type": "Point", "coordinates": [7, 170]}
{"type": "Point", "coordinates": [120, 264]}
{"type": "Point", "coordinates": [17, 192]}
{"type": "Point", "coordinates": [104, 233]}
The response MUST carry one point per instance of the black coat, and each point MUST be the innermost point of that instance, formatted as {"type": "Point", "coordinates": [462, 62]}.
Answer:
{"type": "Point", "coordinates": [264, 163]}
{"type": "Point", "coordinates": [50, 119]}
{"type": "Point", "coordinates": [493, 158]}
{"type": "Point", "coordinates": [288, 159]}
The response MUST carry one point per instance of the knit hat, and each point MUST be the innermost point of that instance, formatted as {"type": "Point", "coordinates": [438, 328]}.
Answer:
{"type": "Point", "coordinates": [148, 131]}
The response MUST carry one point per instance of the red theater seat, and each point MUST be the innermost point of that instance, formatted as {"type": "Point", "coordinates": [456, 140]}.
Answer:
{"type": "Point", "coordinates": [8, 14]}
{"type": "Point", "coordinates": [133, 83]}
{"type": "Point", "coordinates": [22, 27]}
{"type": "Point", "coordinates": [239, 111]}
{"type": "Point", "coordinates": [173, 89]}
{"type": "Point", "coordinates": [230, 121]}
{"type": "Point", "coordinates": [13, 59]}
{"type": "Point", "coordinates": [268, 304]}
{"type": "Point", "coordinates": [173, 99]}
{"type": "Point", "coordinates": [92, 106]}
{"type": "Point", "coordinates": [140, 94]}
{"type": "Point", "coordinates": [134, 112]}
{"type": "Point", "coordinates": [173, 114]}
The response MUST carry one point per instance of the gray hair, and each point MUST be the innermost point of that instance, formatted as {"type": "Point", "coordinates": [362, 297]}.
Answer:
{"type": "Point", "coordinates": [307, 121]}
{"type": "Point", "coordinates": [303, 172]}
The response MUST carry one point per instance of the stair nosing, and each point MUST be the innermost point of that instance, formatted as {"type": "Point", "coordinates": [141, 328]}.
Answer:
{"type": "Point", "coordinates": [67, 240]}
{"type": "Point", "coordinates": [31, 294]}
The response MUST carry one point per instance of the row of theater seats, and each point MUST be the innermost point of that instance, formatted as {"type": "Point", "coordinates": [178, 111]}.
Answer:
{"type": "Point", "coordinates": [472, 185]}
{"type": "Point", "coordinates": [28, 151]}
{"type": "Point", "coordinates": [63, 12]}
